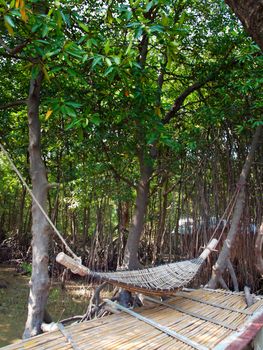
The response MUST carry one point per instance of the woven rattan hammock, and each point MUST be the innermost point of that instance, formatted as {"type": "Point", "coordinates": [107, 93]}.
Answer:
{"type": "Point", "coordinates": [161, 280]}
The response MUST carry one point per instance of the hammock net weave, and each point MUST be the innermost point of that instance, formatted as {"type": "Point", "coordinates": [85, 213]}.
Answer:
{"type": "Point", "coordinates": [164, 279]}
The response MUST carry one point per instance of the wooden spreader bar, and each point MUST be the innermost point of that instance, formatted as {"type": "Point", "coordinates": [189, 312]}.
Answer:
{"type": "Point", "coordinates": [72, 264]}
{"type": "Point", "coordinates": [156, 325]}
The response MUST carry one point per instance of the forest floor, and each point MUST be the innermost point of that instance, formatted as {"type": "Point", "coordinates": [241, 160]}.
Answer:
{"type": "Point", "coordinates": [14, 296]}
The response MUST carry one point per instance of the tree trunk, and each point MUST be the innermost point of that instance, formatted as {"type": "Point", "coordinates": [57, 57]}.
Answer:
{"type": "Point", "coordinates": [224, 255]}
{"type": "Point", "coordinates": [161, 224]}
{"type": "Point", "coordinates": [131, 260]}
{"type": "Point", "coordinates": [250, 13]}
{"type": "Point", "coordinates": [86, 224]}
{"type": "Point", "coordinates": [258, 249]}
{"type": "Point", "coordinates": [21, 215]}
{"type": "Point", "coordinates": [123, 224]}
{"type": "Point", "coordinates": [39, 283]}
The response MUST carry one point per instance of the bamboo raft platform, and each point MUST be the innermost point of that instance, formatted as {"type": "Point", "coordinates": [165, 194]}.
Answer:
{"type": "Point", "coordinates": [192, 319]}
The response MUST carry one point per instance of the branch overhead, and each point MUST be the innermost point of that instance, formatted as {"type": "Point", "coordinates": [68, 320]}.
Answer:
{"type": "Point", "coordinates": [13, 104]}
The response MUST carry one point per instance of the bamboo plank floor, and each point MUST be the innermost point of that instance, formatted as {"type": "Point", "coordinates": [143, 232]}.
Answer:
{"type": "Point", "coordinates": [204, 316]}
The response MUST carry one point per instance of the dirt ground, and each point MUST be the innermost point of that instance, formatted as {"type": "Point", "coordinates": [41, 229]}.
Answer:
{"type": "Point", "coordinates": [13, 303]}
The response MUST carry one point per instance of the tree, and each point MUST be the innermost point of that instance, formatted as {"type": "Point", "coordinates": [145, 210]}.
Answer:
{"type": "Point", "coordinates": [25, 38]}
{"type": "Point", "coordinates": [224, 256]}
{"type": "Point", "coordinates": [250, 14]}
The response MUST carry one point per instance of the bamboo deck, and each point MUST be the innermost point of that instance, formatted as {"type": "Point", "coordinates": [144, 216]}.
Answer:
{"type": "Point", "coordinates": [211, 319]}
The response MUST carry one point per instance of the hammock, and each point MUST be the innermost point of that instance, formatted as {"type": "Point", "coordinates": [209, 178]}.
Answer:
{"type": "Point", "coordinates": [161, 280]}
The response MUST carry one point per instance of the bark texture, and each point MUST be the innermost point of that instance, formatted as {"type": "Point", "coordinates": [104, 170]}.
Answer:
{"type": "Point", "coordinates": [224, 255]}
{"type": "Point", "coordinates": [39, 283]}
{"type": "Point", "coordinates": [258, 249]}
{"type": "Point", "coordinates": [250, 13]}
{"type": "Point", "coordinates": [131, 260]}
{"type": "Point", "coordinates": [157, 249]}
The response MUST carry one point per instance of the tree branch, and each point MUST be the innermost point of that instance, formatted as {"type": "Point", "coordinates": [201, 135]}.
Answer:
{"type": "Point", "coordinates": [180, 99]}
{"type": "Point", "coordinates": [15, 50]}
{"type": "Point", "coordinates": [13, 53]}
{"type": "Point", "coordinates": [13, 104]}
{"type": "Point", "coordinates": [178, 103]}
{"type": "Point", "coordinates": [114, 170]}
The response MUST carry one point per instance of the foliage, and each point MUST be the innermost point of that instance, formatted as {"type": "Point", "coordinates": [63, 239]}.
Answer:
{"type": "Point", "coordinates": [176, 81]}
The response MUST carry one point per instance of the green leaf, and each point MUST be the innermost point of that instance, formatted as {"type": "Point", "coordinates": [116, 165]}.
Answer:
{"type": "Point", "coordinates": [56, 69]}
{"type": "Point", "coordinates": [136, 64]}
{"type": "Point", "coordinates": [52, 53]}
{"type": "Point", "coordinates": [97, 61]}
{"type": "Point", "coordinates": [95, 119]}
{"type": "Point", "coordinates": [91, 42]}
{"type": "Point", "coordinates": [84, 27]}
{"type": "Point", "coordinates": [36, 27]}
{"type": "Point", "coordinates": [257, 123]}
{"type": "Point", "coordinates": [138, 32]}
{"type": "Point", "coordinates": [157, 28]}
{"type": "Point", "coordinates": [117, 60]}
{"type": "Point", "coordinates": [108, 71]}
{"type": "Point", "coordinates": [169, 57]}
{"type": "Point", "coordinates": [70, 111]}
{"type": "Point", "coordinates": [65, 18]}
{"type": "Point", "coordinates": [107, 47]}
{"type": "Point", "coordinates": [108, 61]}
{"type": "Point", "coordinates": [73, 104]}
{"type": "Point", "coordinates": [46, 75]}
{"type": "Point", "coordinates": [9, 20]}
{"type": "Point", "coordinates": [129, 47]}
{"type": "Point", "coordinates": [35, 71]}
{"type": "Point", "coordinates": [2, 2]}
{"type": "Point", "coordinates": [149, 6]}
{"type": "Point", "coordinates": [41, 41]}
{"type": "Point", "coordinates": [74, 123]}
{"type": "Point", "coordinates": [74, 54]}
{"type": "Point", "coordinates": [59, 19]}
{"type": "Point", "coordinates": [8, 26]}
{"type": "Point", "coordinates": [152, 137]}
{"type": "Point", "coordinates": [45, 30]}
{"type": "Point", "coordinates": [134, 25]}
{"type": "Point", "coordinates": [72, 72]}
{"type": "Point", "coordinates": [165, 21]}
{"type": "Point", "coordinates": [39, 51]}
